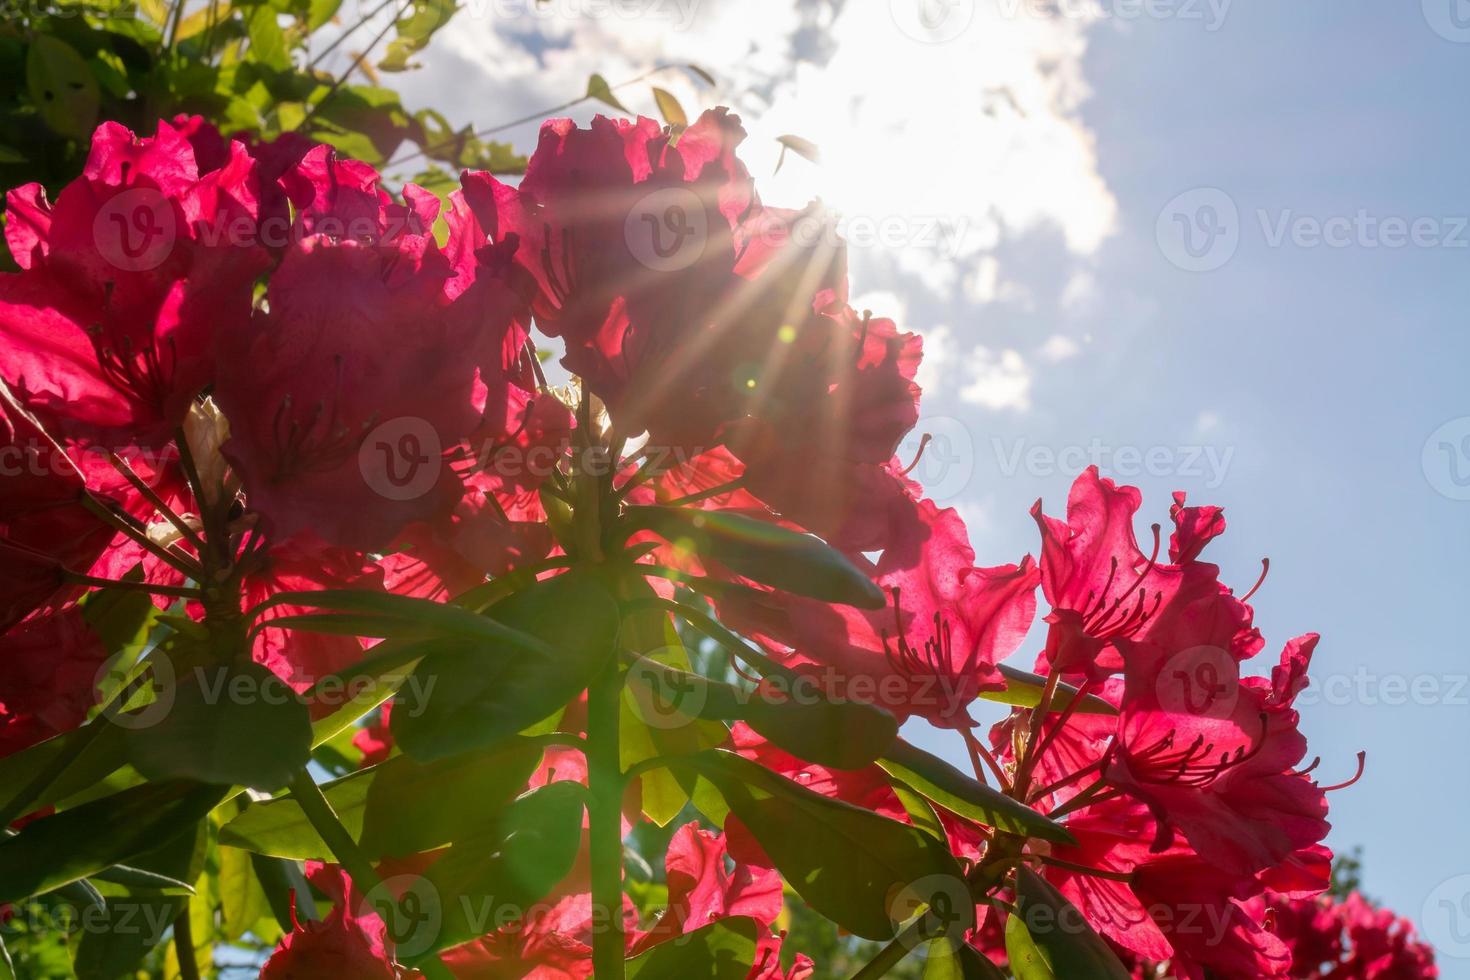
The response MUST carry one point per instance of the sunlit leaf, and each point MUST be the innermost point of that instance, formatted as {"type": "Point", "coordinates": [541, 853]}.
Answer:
{"type": "Point", "coordinates": [1053, 938]}
{"type": "Point", "coordinates": [962, 794]}
{"type": "Point", "coordinates": [722, 950]}
{"type": "Point", "coordinates": [597, 88]}
{"type": "Point", "coordinates": [764, 552]}
{"type": "Point", "coordinates": [486, 692]}
{"type": "Point", "coordinates": [1024, 689]}
{"type": "Point", "coordinates": [848, 863]}
{"type": "Point", "coordinates": [669, 107]}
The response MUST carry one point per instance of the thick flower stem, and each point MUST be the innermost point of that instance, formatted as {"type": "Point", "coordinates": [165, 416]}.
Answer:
{"type": "Point", "coordinates": [606, 780]}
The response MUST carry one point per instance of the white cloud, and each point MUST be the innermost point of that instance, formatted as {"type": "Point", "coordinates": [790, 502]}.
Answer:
{"type": "Point", "coordinates": [1001, 380]}
{"type": "Point", "coordinates": [1059, 348]}
{"type": "Point", "coordinates": [954, 145]}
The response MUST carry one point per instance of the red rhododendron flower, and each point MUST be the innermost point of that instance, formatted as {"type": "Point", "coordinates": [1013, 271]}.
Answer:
{"type": "Point", "coordinates": [127, 285]}
{"type": "Point", "coordinates": [934, 648]}
{"type": "Point", "coordinates": [48, 668]}
{"type": "Point", "coordinates": [350, 942]}
{"type": "Point", "coordinates": [44, 528]}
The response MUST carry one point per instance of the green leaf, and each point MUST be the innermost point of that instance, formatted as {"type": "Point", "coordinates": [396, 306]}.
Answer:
{"type": "Point", "coordinates": [482, 694]}
{"type": "Point", "coordinates": [850, 865]}
{"type": "Point", "coordinates": [62, 87]}
{"type": "Point", "coordinates": [597, 88]}
{"type": "Point", "coordinates": [242, 900]}
{"type": "Point", "coordinates": [415, 30]}
{"type": "Point", "coordinates": [73, 844]}
{"type": "Point", "coordinates": [722, 950]}
{"type": "Point", "coordinates": [801, 147]}
{"type": "Point", "coordinates": [267, 40]}
{"type": "Point", "coordinates": [234, 725]}
{"type": "Point", "coordinates": [383, 806]}
{"type": "Point", "coordinates": [846, 735]}
{"type": "Point", "coordinates": [279, 828]}
{"type": "Point", "coordinates": [946, 960]}
{"type": "Point", "coordinates": [139, 879]}
{"type": "Point", "coordinates": [1047, 937]}
{"type": "Point", "coordinates": [961, 794]}
{"type": "Point", "coordinates": [644, 732]}
{"type": "Point", "coordinates": [669, 107]}
{"type": "Point", "coordinates": [415, 617]}
{"type": "Point", "coordinates": [319, 12]}
{"type": "Point", "coordinates": [515, 863]}
{"type": "Point", "coordinates": [1024, 689]}
{"type": "Point", "coordinates": [471, 788]}
{"type": "Point", "coordinates": [701, 74]}
{"type": "Point", "coordinates": [764, 552]}
{"type": "Point", "coordinates": [1027, 961]}
{"type": "Point", "coordinates": [804, 148]}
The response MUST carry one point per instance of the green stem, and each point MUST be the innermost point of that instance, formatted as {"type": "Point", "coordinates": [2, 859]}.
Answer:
{"type": "Point", "coordinates": [325, 822]}
{"type": "Point", "coordinates": [184, 945]}
{"type": "Point", "coordinates": [605, 777]}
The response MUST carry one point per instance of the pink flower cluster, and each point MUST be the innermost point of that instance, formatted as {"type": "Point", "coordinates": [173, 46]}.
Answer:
{"type": "Point", "coordinates": [350, 406]}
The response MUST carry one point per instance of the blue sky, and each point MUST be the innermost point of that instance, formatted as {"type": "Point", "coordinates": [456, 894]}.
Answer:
{"type": "Point", "coordinates": [1044, 168]}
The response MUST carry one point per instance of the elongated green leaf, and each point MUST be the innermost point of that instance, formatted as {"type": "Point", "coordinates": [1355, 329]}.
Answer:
{"type": "Point", "coordinates": [952, 789]}
{"type": "Point", "coordinates": [722, 950]}
{"type": "Point", "coordinates": [520, 858]}
{"type": "Point", "coordinates": [420, 616]}
{"type": "Point", "coordinates": [476, 697]}
{"type": "Point", "coordinates": [279, 828]}
{"type": "Point", "coordinates": [1023, 689]}
{"type": "Point", "coordinates": [862, 871]}
{"type": "Point", "coordinates": [1062, 944]}
{"type": "Point", "coordinates": [234, 725]}
{"type": "Point", "coordinates": [767, 553]}
{"type": "Point", "coordinates": [847, 735]}
{"type": "Point", "coordinates": [384, 806]}
{"type": "Point", "coordinates": [139, 879]}
{"type": "Point", "coordinates": [73, 844]}
{"type": "Point", "coordinates": [242, 901]}
{"type": "Point", "coordinates": [1027, 960]}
